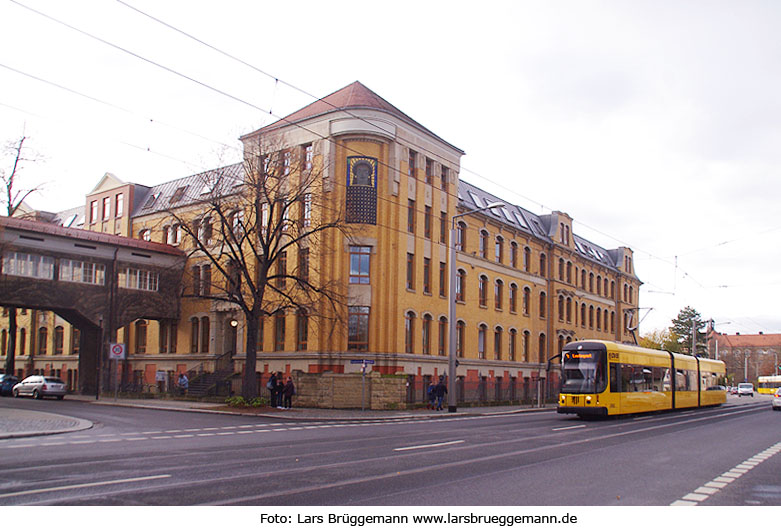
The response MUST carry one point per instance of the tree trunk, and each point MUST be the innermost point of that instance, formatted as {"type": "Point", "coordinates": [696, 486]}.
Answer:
{"type": "Point", "coordinates": [249, 382]}
{"type": "Point", "coordinates": [10, 355]}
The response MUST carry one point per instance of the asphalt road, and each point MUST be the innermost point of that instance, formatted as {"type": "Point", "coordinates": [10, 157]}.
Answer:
{"type": "Point", "coordinates": [149, 457]}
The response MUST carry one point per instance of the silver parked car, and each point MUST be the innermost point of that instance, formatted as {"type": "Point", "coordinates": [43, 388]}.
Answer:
{"type": "Point", "coordinates": [777, 399]}
{"type": "Point", "coordinates": [38, 386]}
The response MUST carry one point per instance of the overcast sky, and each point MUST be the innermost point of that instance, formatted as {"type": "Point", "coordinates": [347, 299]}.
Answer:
{"type": "Point", "coordinates": [653, 124]}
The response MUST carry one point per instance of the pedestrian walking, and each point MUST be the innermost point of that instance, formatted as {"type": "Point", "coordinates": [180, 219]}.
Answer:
{"type": "Point", "coordinates": [432, 395]}
{"type": "Point", "coordinates": [288, 391]}
{"type": "Point", "coordinates": [271, 385]}
{"type": "Point", "coordinates": [440, 391]}
{"type": "Point", "coordinates": [183, 383]}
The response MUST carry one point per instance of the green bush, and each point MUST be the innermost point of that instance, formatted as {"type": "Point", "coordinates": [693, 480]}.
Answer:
{"type": "Point", "coordinates": [236, 401]}
{"type": "Point", "coordinates": [258, 402]}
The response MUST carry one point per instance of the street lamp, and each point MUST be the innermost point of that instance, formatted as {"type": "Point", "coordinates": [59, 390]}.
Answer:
{"type": "Point", "coordinates": [451, 395]}
{"type": "Point", "coordinates": [713, 331]}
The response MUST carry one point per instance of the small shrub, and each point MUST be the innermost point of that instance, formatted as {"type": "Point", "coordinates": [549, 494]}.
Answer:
{"type": "Point", "coordinates": [258, 402]}
{"type": "Point", "coordinates": [236, 401]}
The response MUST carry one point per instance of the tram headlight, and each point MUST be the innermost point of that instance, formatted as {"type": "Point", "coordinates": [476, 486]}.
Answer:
{"type": "Point", "coordinates": [588, 399]}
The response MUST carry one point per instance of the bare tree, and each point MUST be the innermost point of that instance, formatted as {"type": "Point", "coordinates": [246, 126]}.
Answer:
{"type": "Point", "coordinates": [264, 230]}
{"type": "Point", "coordinates": [13, 199]}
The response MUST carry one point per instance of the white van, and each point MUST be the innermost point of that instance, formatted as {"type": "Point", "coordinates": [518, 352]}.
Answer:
{"type": "Point", "coordinates": [745, 389]}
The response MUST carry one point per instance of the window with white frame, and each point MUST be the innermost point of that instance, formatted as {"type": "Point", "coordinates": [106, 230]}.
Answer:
{"type": "Point", "coordinates": [84, 272]}
{"type": "Point", "coordinates": [139, 279]}
{"type": "Point", "coordinates": [28, 265]}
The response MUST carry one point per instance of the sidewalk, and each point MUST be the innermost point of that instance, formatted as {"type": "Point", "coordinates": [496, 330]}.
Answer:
{"type": "Point", "coordinates": [28, 423]}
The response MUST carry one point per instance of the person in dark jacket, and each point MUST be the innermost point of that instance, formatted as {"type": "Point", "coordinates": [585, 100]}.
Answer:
{"type": "Point", "coordinates": [271, 385]}
{"type": "Point", "coordinates": [288, 391]}
{"type": "Point", "coordinates": [440, 391]}
{"type": "Point", "coordinates": [280, 386]}
{"type": "Point", "coordinates": [432, 396]}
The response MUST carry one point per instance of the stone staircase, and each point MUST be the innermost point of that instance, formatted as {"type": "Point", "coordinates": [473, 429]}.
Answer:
{"type": "Point", "coordinates": [211, 383]}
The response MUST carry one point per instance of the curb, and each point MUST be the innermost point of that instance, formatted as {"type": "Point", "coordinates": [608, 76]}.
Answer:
{"type": "Point", "coordinates": [319, 418]}
{"type": "Point", "coordinates": [81, 425]}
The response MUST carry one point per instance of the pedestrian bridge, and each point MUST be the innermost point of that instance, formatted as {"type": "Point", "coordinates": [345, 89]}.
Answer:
{"type": "Point", "coordinates": [97, 282]}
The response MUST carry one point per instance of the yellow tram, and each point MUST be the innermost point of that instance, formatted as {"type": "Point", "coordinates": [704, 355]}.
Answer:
{"type": "Point", "coordinates": [603, 378]}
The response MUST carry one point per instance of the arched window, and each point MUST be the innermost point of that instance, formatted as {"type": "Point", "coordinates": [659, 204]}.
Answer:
{"type": "Point", "coordinates": [460, 285]}
{"type": "Point", "coordinates": [631, 295]}
{"type": "Point", "coordinates": [569, 272]}
{"type": "Point", "coordinates": [569, 310]}
{"type": "Point", "coordinates": [512, 345]}
{"type": "Point", "coordinates": [483, 244]}
{"type": "Point", "coordinates": [561, 307]}
{"type": "Point", "coordinates": [195, 334]}
{"type": "Point", "coordinates": [583, 316]}
{"type": "Point", "coordinates": [591, 317]}
{"type": "Point", "coordinates": [141, 336]}
{"type": "Point", "coordinates": [513, 298]}
{"type": "Point", "coordinates": [591, 282]}
{"type": "Point", "coordinates": [599, 284]}
{"type": "Point", "coordinates": [612, 322]}
{"type": "Point", "coordinates": [499, 250]}
{"type": "Point", "coordinates": [583, 279]}
{"type": "Point", "coordinates": [527, 259]}
{"type": "Point", "coordinates": [542, 348]}
{"type": "Point", "coordinates": [461, 236]}
{"type": "Point", "coordinates": [22, 341]}
{"type": "Point", "coordinates": [426, 334]}
{"type": "Point", "coordinates": [526, 345]}
{"type": "Point", "coordinates": [606, 287]}
{"type": "Point", "coordinates": [612, 289]}
{"type": "Point", "coordinates": [59, 339]}
{"type": "Point", "coordinates": [481, 333]}
{"type": "Point", "coordinates": [561, 269]}
{"type": "Point", "coordinates": [460, 338]}
{"type": "Point", "coordinates": [442, 350]}
{"type": "Point", "coordinates": [599, 319]}
{"type": "Point", "coordinates": [43, 340]}
{"type": "Point", "coordinates": [543, 267]}
{"type": "Point", "coordinates": [498, 343]}
{"type": "Point", "coordinates": [561, 344]}
{"type": "Point", "coordinates": [482, 290]}
{"type": "Point", "coordinates": [302, 329]}
{"type": "Point", "coordinates": [205, 334]}
{"type": "Point", "coordinates": [498, 288]}
{"type": "Point", "coordinates": [409, 333]}
{"type": "Point", "coordinates": [514, 255]}
{"type": "Point", "coordinates": [527, 295]}
{"type": "Point", "coordinates": [543, 303]}
{"type": "Point", "coordinates": [3, 342]}
{"type": "Point", "coordinates": [626, 293]}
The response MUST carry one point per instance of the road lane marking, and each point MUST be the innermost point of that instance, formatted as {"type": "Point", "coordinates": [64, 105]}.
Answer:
{"type": "Point", "coordinates": [569, 427]}
{"type": "Point", "coordinates": [84, 485]}
{"type": "Point", "coordinates": [433, 445]}
{"type": "Point", "coordinates": [715, 485]}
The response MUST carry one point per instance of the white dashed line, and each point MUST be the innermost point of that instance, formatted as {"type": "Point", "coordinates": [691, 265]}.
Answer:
{"type": "Point", "coordinates": [712, 487]}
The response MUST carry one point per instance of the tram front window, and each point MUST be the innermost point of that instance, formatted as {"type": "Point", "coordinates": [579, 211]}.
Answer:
{"type": "Point", "coordinates": [584, 372]}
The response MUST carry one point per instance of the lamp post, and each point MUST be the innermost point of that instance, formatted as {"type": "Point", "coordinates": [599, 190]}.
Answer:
{"type": "Point", "coordinates": [712, 330]}
{"type": "Point", "coordinates": [451, 395]}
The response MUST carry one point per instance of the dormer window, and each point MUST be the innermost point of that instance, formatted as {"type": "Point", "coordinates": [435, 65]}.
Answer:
{"type": "Point", "coordinates": [178, 195]}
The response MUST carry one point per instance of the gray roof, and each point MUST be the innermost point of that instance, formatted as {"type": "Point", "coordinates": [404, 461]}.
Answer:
{"type": "Point", "coordinates": [190, 190]}
{"type": "Point", "coordinates": [522, 220]}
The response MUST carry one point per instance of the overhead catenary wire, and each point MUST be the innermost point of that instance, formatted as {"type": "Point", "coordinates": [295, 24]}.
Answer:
{"type": "Point", "coordinates": [268, 111]}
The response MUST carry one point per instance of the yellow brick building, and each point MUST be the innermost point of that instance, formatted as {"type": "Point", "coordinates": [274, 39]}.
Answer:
{"type": "Point", "coordinates": [526, 284]}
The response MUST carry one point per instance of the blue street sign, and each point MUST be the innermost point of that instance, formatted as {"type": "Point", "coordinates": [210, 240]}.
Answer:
{"type": "Point", "coordinates": [359, 362]}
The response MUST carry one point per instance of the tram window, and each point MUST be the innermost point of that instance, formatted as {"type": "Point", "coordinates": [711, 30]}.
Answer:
{"type": "Point", "coordinates": [658, 375]}
{"type": "Point", "coordinates": [681, 380]}
{"type": "Point", "coordinates": [615, 381]}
